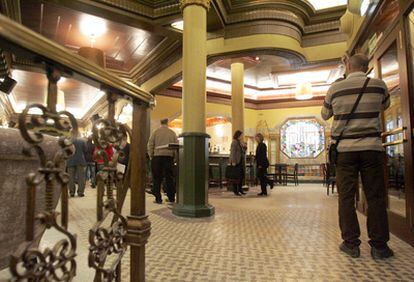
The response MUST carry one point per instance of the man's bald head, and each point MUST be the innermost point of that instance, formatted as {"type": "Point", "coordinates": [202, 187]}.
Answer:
{"type": "Point", "coordinates": [358, 62]}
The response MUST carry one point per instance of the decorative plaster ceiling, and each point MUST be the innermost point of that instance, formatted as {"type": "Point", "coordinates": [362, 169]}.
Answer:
{"type": "Point", "coordinates": [270, 77]}
{"type": "Point", "coordinates": [140, 43]}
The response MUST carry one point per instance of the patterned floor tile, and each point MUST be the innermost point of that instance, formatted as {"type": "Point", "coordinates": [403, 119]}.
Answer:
{"type": "Point", "coordinates": [292, 235]}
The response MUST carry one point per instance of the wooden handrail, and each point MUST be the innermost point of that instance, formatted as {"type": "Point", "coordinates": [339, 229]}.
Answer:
{"type": "Point", "coordinates": [393, 143]}
{"type": "Point", "coordinates": [14, 37]}
{"type": "Point", "coordinates": [394, 131]}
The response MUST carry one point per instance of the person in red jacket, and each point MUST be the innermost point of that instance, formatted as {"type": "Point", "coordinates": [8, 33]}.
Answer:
{"type": "Point", "coordinates": [109, 152]}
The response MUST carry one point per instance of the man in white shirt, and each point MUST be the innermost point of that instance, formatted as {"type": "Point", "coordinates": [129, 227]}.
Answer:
{"type": "Point", "coordinates": [162, 161]}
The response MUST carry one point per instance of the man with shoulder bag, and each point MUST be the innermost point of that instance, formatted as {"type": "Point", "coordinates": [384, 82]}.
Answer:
{"type": "Point", "coordinates": [356, 103]}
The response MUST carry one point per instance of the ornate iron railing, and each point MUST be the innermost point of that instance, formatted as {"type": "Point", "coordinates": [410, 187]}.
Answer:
{"type": "Point", "coordinates": [108, 243]}
{"type": "Point", "coordinates": [110, 240]}
{"type": "Point", "coordinates": [55, 263]}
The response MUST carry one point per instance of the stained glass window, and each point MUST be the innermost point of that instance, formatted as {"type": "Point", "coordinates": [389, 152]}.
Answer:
{"type": "Point", "coordinates": [302, 138]}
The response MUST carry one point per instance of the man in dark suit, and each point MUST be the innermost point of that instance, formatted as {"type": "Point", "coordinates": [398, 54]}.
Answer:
{"type": "Point", "coordinates": [262, 164]}
{"type": "Point", "coordinates": [77, 168]}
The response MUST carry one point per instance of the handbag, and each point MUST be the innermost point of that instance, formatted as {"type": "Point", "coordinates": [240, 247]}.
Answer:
{"type": "Point", "coordinates": [232, 172]}
{"type": "Point", "coordinates": [333, 148]}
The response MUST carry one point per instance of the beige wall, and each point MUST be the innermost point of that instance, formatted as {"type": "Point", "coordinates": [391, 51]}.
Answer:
{"type": "Point", "coordinates": [168, 107]}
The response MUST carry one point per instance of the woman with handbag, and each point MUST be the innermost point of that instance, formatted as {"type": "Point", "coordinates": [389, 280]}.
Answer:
{"type": "Point", "coordinates": [237, 161]}
{"type": "Point", "coordinates": [262, 163]}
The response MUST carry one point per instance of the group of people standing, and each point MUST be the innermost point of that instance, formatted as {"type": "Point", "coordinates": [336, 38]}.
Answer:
{"type": "Point", "coordinates": [237, 160]}
{"type": "Point", "coordinates": [162, 163]}
{"type": "Point", "coordinates": [87, 161]}
{"type": "Point", "coordinates": [81, 166]}
{"type": "Point", "coordinates": [355, 103]}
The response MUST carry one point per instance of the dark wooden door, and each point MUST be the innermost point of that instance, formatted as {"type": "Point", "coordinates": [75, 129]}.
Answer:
{"type": "Point", "coordinates": [392, 65]}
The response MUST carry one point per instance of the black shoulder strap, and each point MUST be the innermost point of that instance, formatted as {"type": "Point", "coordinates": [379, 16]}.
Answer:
{"type": "Point", "coordinates": [351, 114]}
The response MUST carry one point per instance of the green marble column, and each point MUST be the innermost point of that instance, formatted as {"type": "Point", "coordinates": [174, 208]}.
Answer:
{"type": "Point", "coordinates": [193, 186]}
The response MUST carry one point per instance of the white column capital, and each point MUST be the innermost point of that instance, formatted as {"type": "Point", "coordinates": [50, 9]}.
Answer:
{"type": "Point", "coordinates": [202, 3]}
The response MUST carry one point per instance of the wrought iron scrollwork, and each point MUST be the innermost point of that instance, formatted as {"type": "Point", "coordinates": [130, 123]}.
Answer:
{"type": "Point", "coordinates": [107, 241]}
{"type": "Point", "coordinates": [57, 263]}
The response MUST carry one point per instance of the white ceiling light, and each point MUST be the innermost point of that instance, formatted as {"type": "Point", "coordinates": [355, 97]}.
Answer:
{"type": "Point", "coordinates": [310, 76]}
{"type": "Point", "coordinates": [178, 25]}
{"type": "Point", "coordinates": [219, 129]}
{"type": "Point", "coordinates": [304, 91]}
{"type": "Point", "coordinates": [93, 27]}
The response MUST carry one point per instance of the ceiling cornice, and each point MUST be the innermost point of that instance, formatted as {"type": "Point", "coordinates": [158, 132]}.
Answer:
{"type": "Point", "coordinates": [296, 12]}
{"type": "Point", "coordinates": [127, 12]}
{"type": "Point", "coordinates": [163, 55]}
{"type": "Point", "coordinates": [300, 8]}
{"type": "Point", "coordinates": [212, 97]}
{"type": "Point", "coordinates": [11, 8]}
{"type": "Point", "coordinates": [149, 9]}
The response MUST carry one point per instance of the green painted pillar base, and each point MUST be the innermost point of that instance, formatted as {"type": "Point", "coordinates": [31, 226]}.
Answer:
{"type": "Point", "coordinates": [193, 182]}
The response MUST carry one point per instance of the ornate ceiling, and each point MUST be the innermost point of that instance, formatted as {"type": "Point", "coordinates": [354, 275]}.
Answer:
{"type": "Point", "coordinates": [270, 77]}
{"type": "Point", "coordinates": [124, 46]}
{"type": "Point", "coordinates": [139, 41]}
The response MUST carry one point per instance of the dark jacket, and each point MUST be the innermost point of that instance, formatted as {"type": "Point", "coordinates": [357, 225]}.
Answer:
{"type": "Point", "coordinates": [125, 155]}
{"type": "Point", "coordinates": [261, 155]}
{"type": "Point", "coordinates": [79, 157]}
{"type": "Point", "coordinates": [90, 148]}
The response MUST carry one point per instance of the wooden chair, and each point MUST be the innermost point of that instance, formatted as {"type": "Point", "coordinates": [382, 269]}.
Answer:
{"type": "Point", "coordinates": [214, 175]}
{"type": "Point", "coordinates": [322, 168]}
{"type": "Point", "coordinates": [292, 175]}
{"type": "Point", "coordinates": [271, 174]}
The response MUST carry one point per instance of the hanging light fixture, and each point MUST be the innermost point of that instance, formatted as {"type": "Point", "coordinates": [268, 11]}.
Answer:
{"type": "Point", "coordinates": [93, 27]}
{"type": "Point", "coordinates": [304, 91]}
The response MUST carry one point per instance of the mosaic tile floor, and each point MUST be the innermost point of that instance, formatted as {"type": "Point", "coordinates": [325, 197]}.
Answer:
{"type": "Point", "coordinates": [292, 235]}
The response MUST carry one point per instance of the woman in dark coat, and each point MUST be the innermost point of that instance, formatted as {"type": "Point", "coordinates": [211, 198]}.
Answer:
{"type": "Point", "coordinates": [262, 164]}
{"type": "Point", "coordinates": [237, 159]}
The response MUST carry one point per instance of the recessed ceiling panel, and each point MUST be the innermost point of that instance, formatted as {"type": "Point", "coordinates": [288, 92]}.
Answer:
{"type": "Point", "coordinates": [31, 88]}
{"type": "Point", "coordinates": [270, 77]}
{"type": "Point", "coordinates": [124, 46]}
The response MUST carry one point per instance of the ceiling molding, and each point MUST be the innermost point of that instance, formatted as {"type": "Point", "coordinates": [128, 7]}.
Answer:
{"type": "Point", "coordinates": [268, 104]}
{"type": "Point", "coordinates": [130, 13]}
{"type": "Point", "coordinates": [257, 15]}
{"type": "Point", "coordinates": [302, 9]}
{"type": "Point", "coordinates": [323, 38]}
{"type": "Point", "coordinates": [4, 65]}
{"type": "Point", "coordinates": [297, 60]}
{"type": "Point", "coordinates": [11, 8]}
{"type": "Point", "coordinates": [166, 53]}
{"type": "Point", "coordinates": [263, 27]}
{"type": "Point", "coordinates": [163, 55]}
{"type": "Point", "coordinates": [99, 108]}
